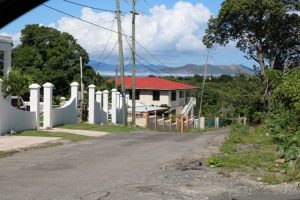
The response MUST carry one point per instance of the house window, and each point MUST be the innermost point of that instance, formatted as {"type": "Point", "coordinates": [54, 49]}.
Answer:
{"type": "Point", "coordinates": [137, 95]}
{"type": "Point", "coordinates": [173, 97]}
{"type": "Point", "coordinates": [156, 95]}
{"type": "Point", "coordinates": [181, 94]}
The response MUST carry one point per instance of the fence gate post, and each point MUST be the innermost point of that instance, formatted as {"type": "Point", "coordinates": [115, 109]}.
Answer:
{"type": "Point", "coordinates": [245, 120]}
{"type": "Point", "coordinates": [35, 102]}
{"type": "Point", "coordinates": [181, 124]}
{"type": "Point", "coordinates": [114, 105]}
{"type": "Point", "coordinates": [163, 120]}
{"type": "Point", "coordinates": [146, 119]}
{"type": "Point", "coordinates": [74, 92]}
{"type": "Point", "coordinates": [170, 122]}
{"type": "Point", "coordinates": [92, 92]}
{"type": "Point", "coordinates": [105, 105]}
{"type": "Point", "coordinates": [176, 123]}
{"type": "Point", "coordinates": [202, 122]}
{"type": "Point", "coordinates": [48, 92]}
{"type": "Point", "coordinates": [1, 82]}
{"type": "Point", "coordinates": [217, 122]}
{"type": "Point", "coordinates": [155, 121]}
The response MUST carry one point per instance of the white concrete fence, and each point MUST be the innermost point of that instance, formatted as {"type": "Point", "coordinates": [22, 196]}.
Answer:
{"type": "Point", "coordinates": [66, 114]}
{"type": "Point", "coordinates": [99, 106]}
{"type": "Point", "coordinates": [14, 119]}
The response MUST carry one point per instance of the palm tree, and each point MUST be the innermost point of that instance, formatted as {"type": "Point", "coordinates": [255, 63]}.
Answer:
{"type": "Point", "coordinates": [17, 84]}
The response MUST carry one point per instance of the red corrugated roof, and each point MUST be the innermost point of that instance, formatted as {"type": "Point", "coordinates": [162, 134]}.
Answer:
{"type": "Point", "coordinates": [155, 83]}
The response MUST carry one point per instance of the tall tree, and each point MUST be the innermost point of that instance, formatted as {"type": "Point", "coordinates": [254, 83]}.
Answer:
{"type": "Point", "coordinates": [50, 55]}
{"type": "Point", "coordinates": [267, 31]}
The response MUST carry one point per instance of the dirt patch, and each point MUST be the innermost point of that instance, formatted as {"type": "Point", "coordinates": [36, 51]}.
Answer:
{"type": "Point", "coordinates": [243, 148]}
{"type": "Point", "coordinates": [183, 165]}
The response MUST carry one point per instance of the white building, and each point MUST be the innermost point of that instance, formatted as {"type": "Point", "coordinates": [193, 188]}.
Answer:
{"type": "Point", "coordinates": [158, 91]}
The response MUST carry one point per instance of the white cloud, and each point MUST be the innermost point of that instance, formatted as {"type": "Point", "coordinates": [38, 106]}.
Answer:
{"type": "Point", "coordinates": [172, 30]}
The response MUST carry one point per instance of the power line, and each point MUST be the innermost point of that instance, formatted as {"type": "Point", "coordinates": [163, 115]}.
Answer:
{"type": "Point", "coordinates": [79, 18]}
{"type": "Point", "coordinates": [105, 29]}
{"type": "Point", "coordinates": [87, 6]}
{"type": "Point", "coordinates": [103, 51]}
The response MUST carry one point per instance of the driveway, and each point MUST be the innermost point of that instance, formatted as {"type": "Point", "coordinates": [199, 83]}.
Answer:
{"type": "Point", "coordinates": [129, 166]}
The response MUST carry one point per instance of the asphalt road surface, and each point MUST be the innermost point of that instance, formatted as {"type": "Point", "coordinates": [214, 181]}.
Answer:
{"type": "Point", "coordinates": [129, 166]}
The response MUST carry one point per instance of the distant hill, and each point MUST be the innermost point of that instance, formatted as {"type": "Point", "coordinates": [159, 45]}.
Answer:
{"type": "Point", "coordinates": [186, 70]}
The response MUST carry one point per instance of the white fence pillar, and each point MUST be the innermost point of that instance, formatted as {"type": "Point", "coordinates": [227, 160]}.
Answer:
{"type": "Point", "coordinates": [48, 93]}
{"type": "Point", "coordinates": [202, 122]}
{"type": "Point", "coordinates": [74, 92]}
{"type": "Point", "coordinates": [105, 106]}
{"type": "Point", "coordinates": [217, 120]}
{"type": "Point", "coordinates": [99, 98]}
{"type": "Point", "coordinates": [114, 101]}
{"type": "Point", "coordinates": [1, 82]}
{"type": "Point", "coordinates": [118, 100]}
{"type": "Point", "coordinates": [35, 102]}
{"type": "Point", "coordinates": [92, 92]}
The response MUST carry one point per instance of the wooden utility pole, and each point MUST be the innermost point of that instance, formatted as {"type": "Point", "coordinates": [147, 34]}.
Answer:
{"type": "Point", "coordinates": [116, 78]}
{"type": "Point", "coordinates": [133, 62]}
{"type": "Point", "coordinates": [81, 90]}
{"type": "Point", "coordinates": [203, 85]}
{"type": "Point", "coordinates": [121, 58]}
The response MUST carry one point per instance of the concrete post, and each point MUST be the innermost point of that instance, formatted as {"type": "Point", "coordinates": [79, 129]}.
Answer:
{"type": "Point", "coordinates": [118, 100]}
{"type": "Point", "coordinates": [202, 122]}
{"type": "Point", "coordinates": [48, 93]}
{"type": "Point", "coordinates": [114, 101]}
{"type": "Point", "coordinates": [245, 120]}
{"type": "Point", "coordinates": [1, 82]}
{"type": "Point", "coordinates": [7, 62]}
{"type": "Point", "coordinates": [92, 92]}
{"type": "Point", "coordinates": [35, 102]}
{"type": "Point", "coordinates": [181, 123]}
{"type": "Point", "coordinates": [6, 46]}
{"type": "Point", "coordinates": [99, 97]}
{"type": "Point", "coordinates": [105, 105]}
{"type": "Point", "coordinates": [74, 92]}
{"type": "Point", "coordinates": [217, 122]}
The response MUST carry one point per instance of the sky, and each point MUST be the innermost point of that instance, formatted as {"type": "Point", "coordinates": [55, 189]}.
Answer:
{"type": "Point", "coordinates": [168, 32]}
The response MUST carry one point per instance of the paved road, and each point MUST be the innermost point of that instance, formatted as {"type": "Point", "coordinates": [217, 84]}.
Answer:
{"type": "Point", "coordinates": [125, 166]}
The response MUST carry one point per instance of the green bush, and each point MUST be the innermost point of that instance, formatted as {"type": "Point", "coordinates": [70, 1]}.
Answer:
{"type": "Point", "coordinates": [284, 120]}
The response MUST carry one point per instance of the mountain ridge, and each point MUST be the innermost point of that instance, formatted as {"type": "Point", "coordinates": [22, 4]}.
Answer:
{"type": "Point", "coordinates": [186, 70]}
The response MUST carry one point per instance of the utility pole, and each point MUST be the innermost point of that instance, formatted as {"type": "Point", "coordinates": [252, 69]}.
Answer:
{"type": "Point", "coordinates": [203, 85]}
{"type": "Point", "coordinates": [81, 91]}
{"type": "Point", "coordinates": [116, 78]}
{"type": "Point", "coordinates": [133, 62]}
{"type": "Point", "coordinates": [121, 58]}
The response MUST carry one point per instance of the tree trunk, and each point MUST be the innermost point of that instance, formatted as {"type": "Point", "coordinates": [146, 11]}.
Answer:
{"type": "Point", "coordinates": [260, 58]}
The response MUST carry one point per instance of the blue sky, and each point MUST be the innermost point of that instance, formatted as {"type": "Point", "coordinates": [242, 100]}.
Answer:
{"type": "Point", "coordinates": [175, 50]}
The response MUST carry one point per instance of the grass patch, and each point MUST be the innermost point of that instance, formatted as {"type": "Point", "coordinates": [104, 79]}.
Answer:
{"type": "Point", "coordinates": [68, 136]}
{"type": "Point", "coordinates": [252, 150]}
{"type": "Point", "coordinates": [198, 130]}
{"type": "Point", "coordinates": [4, 154]}
{"type": "Point", "coordinates": [104, 128]}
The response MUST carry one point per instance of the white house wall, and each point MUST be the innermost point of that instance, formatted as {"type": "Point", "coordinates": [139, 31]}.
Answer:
{"type": "Point", "coordinates": [14, 119]}
{"type": "Point", "coordinates": [146, 97]}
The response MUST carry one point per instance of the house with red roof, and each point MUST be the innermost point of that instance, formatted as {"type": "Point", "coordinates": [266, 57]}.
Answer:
{"type": "Point", "coordinates": [158, 91]}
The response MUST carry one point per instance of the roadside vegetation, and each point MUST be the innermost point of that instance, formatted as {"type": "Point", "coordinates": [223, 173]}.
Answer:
{"type": "Point", "coordinates": [67, 136]}
{"type": "Point", "coordinates": [254, 151]}
{"type": "Point", "coordinates": [103, 128]}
